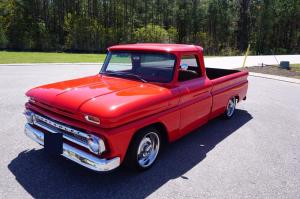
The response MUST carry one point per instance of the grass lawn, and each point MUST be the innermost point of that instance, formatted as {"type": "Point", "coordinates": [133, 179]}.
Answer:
{"type": "Point", "coordinates": [43, 57]}
{"type": "Point", "coordinates": [295, 67]}
{"type": "Point", "coordinates": [293, 72]}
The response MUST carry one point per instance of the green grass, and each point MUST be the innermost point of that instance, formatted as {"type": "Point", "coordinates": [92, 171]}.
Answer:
{"type": "Point", "coordinates": [295, 67]}
{"type": "Point", "coordinates": [42, 57]}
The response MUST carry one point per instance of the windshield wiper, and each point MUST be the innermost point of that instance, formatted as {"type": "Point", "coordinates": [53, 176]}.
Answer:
{"type": "Point", "coordinates": [122, 74]}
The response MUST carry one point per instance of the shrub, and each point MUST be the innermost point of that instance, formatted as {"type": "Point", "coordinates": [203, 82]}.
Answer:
{"type": "Point", "coordinates": [151, 33]}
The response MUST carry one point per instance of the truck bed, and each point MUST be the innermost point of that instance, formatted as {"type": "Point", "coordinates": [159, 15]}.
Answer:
{"type": "Point", "coordinates": [214, 73]}
{"type": "Point", "coordinates": [225, 84]}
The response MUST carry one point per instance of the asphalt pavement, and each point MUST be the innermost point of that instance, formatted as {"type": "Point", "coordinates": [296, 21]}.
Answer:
{"type": "Point", "coordinates": [256, 154]}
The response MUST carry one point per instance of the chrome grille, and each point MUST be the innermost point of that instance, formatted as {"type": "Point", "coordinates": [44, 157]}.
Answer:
{"type": "Point", "coordinates": [69, 133]}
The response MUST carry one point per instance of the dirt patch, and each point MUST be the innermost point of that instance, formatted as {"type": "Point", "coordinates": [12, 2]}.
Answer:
{"type": "Point", "coordinates": [293, 72]}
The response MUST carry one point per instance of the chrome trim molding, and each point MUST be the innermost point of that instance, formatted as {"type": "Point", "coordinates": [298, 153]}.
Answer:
{"type": "Point", "coordinates": [76, 155]}
{"type": "Point", "coordinates": [60, 126]}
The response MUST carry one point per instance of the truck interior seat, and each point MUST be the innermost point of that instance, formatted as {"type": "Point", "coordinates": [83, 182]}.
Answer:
{"type": "Point", "coordinates": [187, 75]}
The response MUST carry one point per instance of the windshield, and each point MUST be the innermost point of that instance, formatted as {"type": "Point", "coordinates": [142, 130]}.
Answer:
{"type": "Point", "coordinates": [152, 67]}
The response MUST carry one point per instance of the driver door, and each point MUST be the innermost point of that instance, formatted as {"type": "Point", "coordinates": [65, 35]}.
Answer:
{"type": "Point", "coordinates": [195, 100]}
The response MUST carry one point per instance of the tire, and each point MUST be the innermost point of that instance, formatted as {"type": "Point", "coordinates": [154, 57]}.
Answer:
{"type": "Point", "coordinates": [230, 108]}
{"type": "Point", "coordinates": [144, 149]}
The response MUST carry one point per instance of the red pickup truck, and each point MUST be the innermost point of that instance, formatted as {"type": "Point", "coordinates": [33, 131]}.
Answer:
{"type": "Point", "coordinates": [144, 96]}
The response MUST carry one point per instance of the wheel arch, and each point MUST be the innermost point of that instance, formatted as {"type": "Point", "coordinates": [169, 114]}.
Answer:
{"type": "Point", "coordinates": [162, 129]}
{"type": "Point", "coordinates": [159, 126]}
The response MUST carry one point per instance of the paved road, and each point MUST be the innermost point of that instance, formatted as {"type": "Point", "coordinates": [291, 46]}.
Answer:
{"type": "Point", "coordinates": [254, 155]}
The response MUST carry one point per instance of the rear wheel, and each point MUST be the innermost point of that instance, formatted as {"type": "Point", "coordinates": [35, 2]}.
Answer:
{"type": "Point", "coordinates": [230, 109]}
{"type": "Point", "coordinates": [144, 149]}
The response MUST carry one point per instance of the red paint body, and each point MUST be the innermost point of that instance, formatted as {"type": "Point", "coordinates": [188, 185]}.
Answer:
{"type": "Point", "coordinates": [124, 106]}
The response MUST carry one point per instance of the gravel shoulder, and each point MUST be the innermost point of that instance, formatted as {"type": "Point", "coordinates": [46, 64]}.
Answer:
{"type": "Point", "coordinates": [293, 72]}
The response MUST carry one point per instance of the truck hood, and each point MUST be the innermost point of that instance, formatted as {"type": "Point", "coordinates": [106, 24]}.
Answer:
{"type": "Point", "coordinates": [113, 100]}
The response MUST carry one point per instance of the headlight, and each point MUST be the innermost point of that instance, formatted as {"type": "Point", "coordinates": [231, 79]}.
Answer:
{"type": "Point", "coordinates": [96, 145]}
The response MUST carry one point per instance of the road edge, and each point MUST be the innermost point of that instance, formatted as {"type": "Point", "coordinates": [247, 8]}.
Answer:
{"type": "Point", "coordinates": [275, 77]}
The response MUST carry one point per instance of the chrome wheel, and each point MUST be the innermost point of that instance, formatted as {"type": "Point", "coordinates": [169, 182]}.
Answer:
{"type": "Point", "coordinates": [148, 149]}
{"type": "Point", "coordinates": [231, 107]}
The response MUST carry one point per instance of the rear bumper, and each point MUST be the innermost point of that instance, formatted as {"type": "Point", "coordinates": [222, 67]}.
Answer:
{"type": "Point", "coordinates": [85, 159]}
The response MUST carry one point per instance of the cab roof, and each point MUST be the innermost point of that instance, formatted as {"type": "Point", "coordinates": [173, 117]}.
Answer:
{"type": "Point", "coordinates": [169, 48]}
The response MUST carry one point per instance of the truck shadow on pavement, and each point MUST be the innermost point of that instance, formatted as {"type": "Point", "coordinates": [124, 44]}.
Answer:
{"type": "Point", "coordinates": [44, 176]}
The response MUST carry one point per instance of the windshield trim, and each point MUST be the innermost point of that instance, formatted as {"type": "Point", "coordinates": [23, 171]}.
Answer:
{"type": "Point", "coordinates": [109, 55]}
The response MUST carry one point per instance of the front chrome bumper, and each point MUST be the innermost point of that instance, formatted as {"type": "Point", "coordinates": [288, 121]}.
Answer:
{"type": "Point", "coordinates": [76, 155]}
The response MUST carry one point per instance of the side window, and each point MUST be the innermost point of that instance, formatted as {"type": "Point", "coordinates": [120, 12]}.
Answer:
{"type": "Point", "coordinates": [189, 68]}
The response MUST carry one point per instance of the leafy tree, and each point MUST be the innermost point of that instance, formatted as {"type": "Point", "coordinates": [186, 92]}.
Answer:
{"type": "Point", "coordinates": [221, 26]}
{"type": "Point", "coordinates": [151, 33]}
{"type": "Point", "coordinates": [173, 34]}
{"type": "Point", "coordinates": [243, 24]}
{"type": "Point", "coordinates": [3, 40]}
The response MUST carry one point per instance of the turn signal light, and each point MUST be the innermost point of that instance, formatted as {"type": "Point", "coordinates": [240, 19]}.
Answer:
{"type": "Point", "coordinates": [92, 119]}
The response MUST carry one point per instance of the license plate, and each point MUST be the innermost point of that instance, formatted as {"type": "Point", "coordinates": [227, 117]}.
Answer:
{"type": "Point", "coordinates": [53, 143]}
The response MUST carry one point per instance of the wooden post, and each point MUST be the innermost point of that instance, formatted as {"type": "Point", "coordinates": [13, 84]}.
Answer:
{"type": "Point", "coordinates": [246, 55]}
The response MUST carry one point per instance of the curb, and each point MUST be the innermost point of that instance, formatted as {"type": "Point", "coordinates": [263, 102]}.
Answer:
{"type": "Point", "coordinates": [275, 77]}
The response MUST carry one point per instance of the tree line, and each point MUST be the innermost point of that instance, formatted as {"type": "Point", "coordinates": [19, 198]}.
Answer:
{"type": "Point", "coordinates": [222, 27]}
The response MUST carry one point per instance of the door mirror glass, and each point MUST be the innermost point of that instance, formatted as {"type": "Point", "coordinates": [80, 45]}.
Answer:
{"type": "Point", "coordinates": [184, 66]}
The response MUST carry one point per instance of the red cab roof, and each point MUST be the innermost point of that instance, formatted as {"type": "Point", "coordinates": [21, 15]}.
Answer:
{"type": "Point", "coordinates": [156, 47]}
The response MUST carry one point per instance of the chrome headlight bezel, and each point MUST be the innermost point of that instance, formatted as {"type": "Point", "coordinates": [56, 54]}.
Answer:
{"type": "Point", "coordinates": [96, 144]}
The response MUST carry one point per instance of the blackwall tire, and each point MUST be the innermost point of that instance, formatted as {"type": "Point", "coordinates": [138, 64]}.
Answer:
{"type": "Point", "coordinates": [144, 149]}
{"type": "Point", "coordinates": [230, 108]}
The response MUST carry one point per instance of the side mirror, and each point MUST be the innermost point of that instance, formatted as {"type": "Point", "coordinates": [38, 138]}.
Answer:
{"type": "Point", "coordinates": [184, 66]}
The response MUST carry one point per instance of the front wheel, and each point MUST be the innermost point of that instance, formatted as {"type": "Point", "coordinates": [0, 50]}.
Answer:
{"type": "Point", "coordinates": [230, 108]}
{"type": "Point", "coordinates": [144, 149]}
